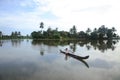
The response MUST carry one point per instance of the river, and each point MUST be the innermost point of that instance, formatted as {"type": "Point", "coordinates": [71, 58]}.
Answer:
{"type": "Point", "coordinates": [26, 59]}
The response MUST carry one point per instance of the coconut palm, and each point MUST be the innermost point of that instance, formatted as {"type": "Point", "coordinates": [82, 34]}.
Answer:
{"type": "Point", "coordinates": [41, 26]}
{"type": "Point", "coordinates": [88, 31]}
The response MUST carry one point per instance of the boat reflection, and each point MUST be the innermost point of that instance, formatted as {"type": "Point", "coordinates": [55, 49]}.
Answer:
{"type": "Point", "coordinates": [79, 58]}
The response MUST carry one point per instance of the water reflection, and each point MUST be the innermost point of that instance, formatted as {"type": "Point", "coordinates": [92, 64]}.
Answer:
{"type": "Point", "coordinates": [50, 42]}
{"type": "Point", "coordinates": [1, 43]}
{"type": "Point", "coordinates": [16, 42]}
{"type": "Point", "coordinates": [17, 71]}
{"type": "Point", "coordinates": [25, 63]}
{"type": "Point", "coordinates": [101, 45]}
{"type": "Point", "coordinates": [104, 45]}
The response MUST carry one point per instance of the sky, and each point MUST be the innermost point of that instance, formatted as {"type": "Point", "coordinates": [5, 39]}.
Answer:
{"type": "Point", "coordinates": [25, 15]}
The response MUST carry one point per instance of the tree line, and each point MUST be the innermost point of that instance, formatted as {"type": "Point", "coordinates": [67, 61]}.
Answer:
{"type": "Point", "coordinates": [96, 34]}
{"type": "Point", "coordinates": [101, 33]}
{"type": "Point", "coordinates": [13, 35]}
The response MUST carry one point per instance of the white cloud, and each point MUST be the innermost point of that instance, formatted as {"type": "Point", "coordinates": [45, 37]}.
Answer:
{"type": "Point", "coordinates": [82, 13]}
{"type": "Point", "coordinates": [87, 12]}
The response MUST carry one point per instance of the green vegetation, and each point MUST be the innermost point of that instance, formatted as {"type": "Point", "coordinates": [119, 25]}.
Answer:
{"type": "Point", "coordinates": [100, 33]}
{"type": "Point", "coordinates": [14, 35]}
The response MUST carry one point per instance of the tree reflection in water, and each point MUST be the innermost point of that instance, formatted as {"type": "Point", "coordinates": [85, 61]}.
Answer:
{"type": "Point", "coordinates": [101, 45]}
{"type": "Point", "coordinates": [16, 42]}
{"type": "Point", "coordinates": [24, 64]}
{"type": "Point", "coordinates": [1, 42]}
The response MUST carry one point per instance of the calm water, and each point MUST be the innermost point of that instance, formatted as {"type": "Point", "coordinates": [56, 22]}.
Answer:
{"type": "Point", "coordinates": [42, 60]}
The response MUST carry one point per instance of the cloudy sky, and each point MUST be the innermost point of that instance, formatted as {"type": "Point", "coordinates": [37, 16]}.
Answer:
{"type": "Point", "coordinates": [26, 15]}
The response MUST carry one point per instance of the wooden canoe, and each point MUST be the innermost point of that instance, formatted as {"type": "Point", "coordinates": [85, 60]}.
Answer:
{"type": "Point", "coordinates": [85, 57]}
{"type": "Point", "coordinates": [80, 58]}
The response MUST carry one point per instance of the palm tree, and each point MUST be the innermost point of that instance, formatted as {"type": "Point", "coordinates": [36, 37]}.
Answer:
{"type": "Point", "coordinates": [41, 26]}
{"type": "Point", "coordinates": [82, 34]}
{"type": "Point", "coordinates": [19, 33]}
{"type": "Point", "coordinates": [95, 30]}
{"type": "Point", "coordinates": [71, 31]}
{"type": "Point", "coordinates": [12, 34]}
{"type": "Point", "coordinates": [16, 33]}
{"type": "Point", "coordinates": [49, 30]}
{"type": "Point", "coordinates": [88, 31]}
{"type": "Point", "coordinates": [74, 30]}
{"type": "Point", "coordinates": [113, 29]}
{"type": "Point", "coordinates": [102, 32]}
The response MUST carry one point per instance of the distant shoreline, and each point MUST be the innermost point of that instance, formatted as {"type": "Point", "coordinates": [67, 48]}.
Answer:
{"type": "Point", "coordinates": [55, 39]}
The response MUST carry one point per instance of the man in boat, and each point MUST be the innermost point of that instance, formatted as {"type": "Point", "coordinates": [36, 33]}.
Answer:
{"type": "Point", "coordinates": [66, 51]}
